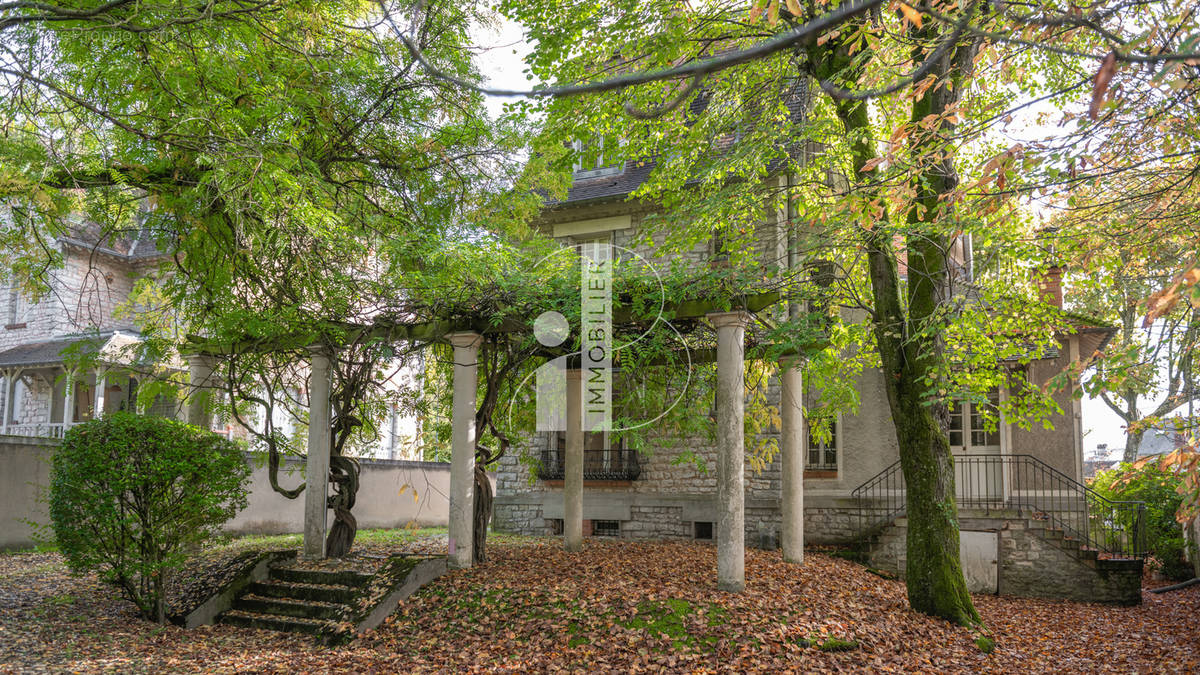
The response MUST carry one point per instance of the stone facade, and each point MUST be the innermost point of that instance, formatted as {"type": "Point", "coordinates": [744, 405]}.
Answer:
{"type": "Point", "coordinates": [668, 498]}
{"type": "Point", "coordinates": [85, 294]}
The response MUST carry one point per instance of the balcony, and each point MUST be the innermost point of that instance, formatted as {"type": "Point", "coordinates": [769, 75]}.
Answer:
{"type": "Point", "coordinates": [605, 464]}
{"type": "Point", "coordinates": [43, 430]}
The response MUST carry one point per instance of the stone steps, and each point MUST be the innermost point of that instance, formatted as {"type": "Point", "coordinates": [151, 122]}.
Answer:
{"type": "Point", "coordinates": [315, 592]}
{"type": "Point", "coordinates": [325, 603]}
{"type": "Point", "coordinates": [244, 619]}
{"type": "Point", "coordinates": [288, 607]}
{"type": "Point", "coordinates": [302, 576]}
{"type": "Point", "coordinates": [297, 600]}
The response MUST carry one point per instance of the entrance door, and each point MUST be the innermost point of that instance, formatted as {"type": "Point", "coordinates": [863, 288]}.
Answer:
{"type": "Point", "coordinates": [979, 467]}
{"type": "Point", "coordinates": [85, 401]}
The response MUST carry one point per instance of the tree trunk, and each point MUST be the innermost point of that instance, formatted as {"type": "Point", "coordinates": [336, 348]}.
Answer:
{"type": "Point", "coordinates": [160, 593]}
{"type": "Point", "coordinates": [1133, 443]}
{"type": "Point", "coordinates": [343, 475]}
{"type": "Point", "coordinates": [908, 350]}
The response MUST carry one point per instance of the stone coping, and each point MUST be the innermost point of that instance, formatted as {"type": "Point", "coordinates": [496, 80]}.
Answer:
{"type": "Point", "coordinates": [42, 442]}
{"type": "Point", "coordinates": [30, 440]}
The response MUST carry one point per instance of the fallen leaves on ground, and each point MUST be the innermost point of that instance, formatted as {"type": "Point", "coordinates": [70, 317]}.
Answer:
{"type": "Point", "coordinates": [617, 606]}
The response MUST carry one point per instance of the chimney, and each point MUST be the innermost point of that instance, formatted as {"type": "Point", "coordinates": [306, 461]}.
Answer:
{"type": "Point", "coordinates": [1050, 285]}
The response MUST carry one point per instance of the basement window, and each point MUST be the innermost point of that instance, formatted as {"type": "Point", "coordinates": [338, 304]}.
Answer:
{"type": "Point", "coordinates": [703, 530]}
{"type": "Point", "coordinates": [606, 528]}
{"type": "Point", "coordinates": [556, 526]}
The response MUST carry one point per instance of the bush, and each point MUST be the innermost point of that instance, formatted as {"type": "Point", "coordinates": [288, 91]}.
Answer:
{"type": "Point", "coordinates": [129, 494]}
{"type": "Point", "coordinates": [1159, 490]}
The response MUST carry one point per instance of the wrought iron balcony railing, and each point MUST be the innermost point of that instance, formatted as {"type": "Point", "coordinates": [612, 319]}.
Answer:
{"type": "Point", "coordinates": [597, 465]}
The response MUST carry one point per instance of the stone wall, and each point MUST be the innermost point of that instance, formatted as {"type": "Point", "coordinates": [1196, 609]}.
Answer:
{"type": "Point", "coordinates": [827, 520]}
{"type": "Point", "coordinates": [24, 472]}
{"type": "Point", "coordinates": [1033, 566]}
{"type": "Point", "coordinates": [1030, 564]}
{"type": "Point", "coordinates": [86, 291]}
{"type": "Point", "coordinates": [392, 494]}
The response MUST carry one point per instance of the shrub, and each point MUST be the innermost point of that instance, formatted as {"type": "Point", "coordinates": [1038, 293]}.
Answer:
{"type": "Point", "coordinates": [129, 494]}
{"type": "Point", "coordinates": [1159, 490]}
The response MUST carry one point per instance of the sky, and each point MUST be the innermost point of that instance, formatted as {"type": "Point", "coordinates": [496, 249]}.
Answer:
{"type": "Point", "coordinates": [503, 67]}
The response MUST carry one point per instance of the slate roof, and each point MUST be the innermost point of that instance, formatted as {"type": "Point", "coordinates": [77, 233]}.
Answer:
{"type": "Point", "coordinates": [636, 172]}
{"type": "Point", "coordinates": [48, 352]}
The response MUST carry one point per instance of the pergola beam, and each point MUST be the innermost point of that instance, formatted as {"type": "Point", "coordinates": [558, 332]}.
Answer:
{"type": "Point", "coordinates": [439, 329]}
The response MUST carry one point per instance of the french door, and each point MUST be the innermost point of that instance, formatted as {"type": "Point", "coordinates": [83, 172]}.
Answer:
{"type": "Point", "coordinates": [979, 468]}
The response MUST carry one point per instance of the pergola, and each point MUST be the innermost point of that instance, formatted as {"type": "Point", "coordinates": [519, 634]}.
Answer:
{"type": "Point", "coordinates": [729, 320]}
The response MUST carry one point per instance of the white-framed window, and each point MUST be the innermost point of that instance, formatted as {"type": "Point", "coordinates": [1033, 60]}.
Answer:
{"type": "Point", "coordinates": [18, 306]}
{"type": "Point", "coordinates": [822, 454]}
{"type": "Point", "coordinates": [968, 427]}
{"type": "Point", "coordinates": [590, 160]}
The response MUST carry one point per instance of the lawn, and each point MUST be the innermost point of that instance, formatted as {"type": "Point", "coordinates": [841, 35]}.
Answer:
{"type": "Point", "coordinates": [618, 606]}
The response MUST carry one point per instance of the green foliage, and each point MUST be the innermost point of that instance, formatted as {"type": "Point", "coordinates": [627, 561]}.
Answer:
{"type": "Point", "coordinates": [1160, 491]}
{"type": "Point", "coordinates": [670, 618]}
{"type": "Point", "coordinates": [129, 493]}
{"type": "Point", "coordinates": [832, 644]}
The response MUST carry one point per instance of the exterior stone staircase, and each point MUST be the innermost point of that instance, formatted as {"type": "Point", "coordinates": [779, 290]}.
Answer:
{"type": "Point", "coordinates": [1031, 558]}
{"type": "Point", "coordinates": [271, 591]}
{"type": "Point", "coordinates": [1026, 529]}
{"type": "Point", "coordinates": [297, 600]}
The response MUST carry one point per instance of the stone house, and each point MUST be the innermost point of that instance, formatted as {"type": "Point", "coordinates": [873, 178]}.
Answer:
{"type": "Point", "coordinates": [850, 486]}
{"type": "Point", "coordinates": [87, 308]}
{"type": "Point", "coordinates": [82, 305]}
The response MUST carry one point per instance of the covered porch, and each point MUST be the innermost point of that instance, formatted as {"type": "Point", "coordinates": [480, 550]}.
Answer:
{"type": "Point", "coordinates": [42, 395]}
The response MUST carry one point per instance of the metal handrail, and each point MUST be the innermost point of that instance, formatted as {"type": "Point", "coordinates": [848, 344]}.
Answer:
{"type": "Point", "coordinates": [1112, 528]}
{"type": "Point", "coordinates": [602, 464]}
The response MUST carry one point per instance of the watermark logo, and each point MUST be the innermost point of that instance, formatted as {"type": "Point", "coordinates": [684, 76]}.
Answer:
{"type": "Point", "coordinates": [598, 345]}
{"type": "Point", "coordinates": [595, 287]}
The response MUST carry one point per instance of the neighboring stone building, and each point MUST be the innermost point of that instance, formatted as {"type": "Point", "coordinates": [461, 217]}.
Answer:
{"type": "Point", "coordinates": [848, 481]}
{"type": "Point", "coordinates": [87, 308]}
{"type": "Point", "coordinates": [82, 309]}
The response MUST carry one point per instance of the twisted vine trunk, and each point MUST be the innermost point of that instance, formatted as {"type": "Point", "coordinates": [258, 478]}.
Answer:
{"type": "Point", "coordinates": [343, 475]}
{"type": "Point", "coordinates": [483, 513]}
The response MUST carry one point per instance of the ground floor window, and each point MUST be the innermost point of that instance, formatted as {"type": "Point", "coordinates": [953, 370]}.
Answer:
{"type": "Point", "coordinates": [822, 453]}
{"type": "Point", "coordinates": [703, 530]}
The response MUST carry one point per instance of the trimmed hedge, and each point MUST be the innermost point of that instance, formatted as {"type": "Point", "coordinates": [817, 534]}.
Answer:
{"type": "Point", "coordinates": [130, 493]}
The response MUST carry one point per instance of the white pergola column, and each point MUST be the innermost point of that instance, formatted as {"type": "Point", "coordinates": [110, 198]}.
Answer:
{"type": "Point", "coordinates": [316, 511]}
{"type": "Point", "coordinates": [10, 388]}
{"type": "Point", "coordinates": [101, 384]}
{"type": "Point", "coordinates": [791, 451]}
{"type": "Point", "coordinates": [462, 449]}
{"type": "Point", "coordinates": [573, 465]}
{"type": "Point", "coordinates": [69, 400]}
{"type": "Point", "coordinates": [731, 491]}
{"type": "Point", "coordinates": [199, 408]}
